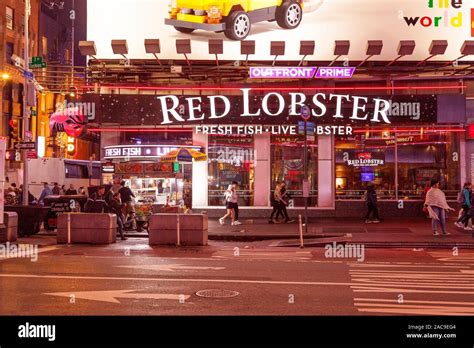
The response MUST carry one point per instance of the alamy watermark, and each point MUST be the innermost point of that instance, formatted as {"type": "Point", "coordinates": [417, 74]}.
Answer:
{"type": "Point", "coordinates": [345, 251]}
{"type": "Point", "coordinates": [72, 108]}
{"type": "Point", "coordinates": [25, 251]}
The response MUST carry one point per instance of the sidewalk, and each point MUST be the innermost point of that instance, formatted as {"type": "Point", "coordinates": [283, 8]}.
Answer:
{"type": "Point", "coordinates": [389, 233]}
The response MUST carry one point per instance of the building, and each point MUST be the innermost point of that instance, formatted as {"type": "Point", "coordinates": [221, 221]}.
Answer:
{"type": "Point", "coordinates": [11, 91]}
{"type": "Point", "coordinates": [186, 86]}
{"type": "Point", "coordinates": [62, 25]}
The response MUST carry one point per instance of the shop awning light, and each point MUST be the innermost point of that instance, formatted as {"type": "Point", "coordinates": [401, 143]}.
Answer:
{"type": "Point", "coordinates": [341, 48]}
{"type": "Point", "coordinates": [183, 46]}
{"type": "Point", "coordinates": [87, 48]}
{"type": "Point", "coordinates": [216, 47]}
{"type": "Point", "coordinates": [247, 47]}
{"type": "Point", "coordinates": [437, 48]}
{"type": "Point", "coordinates": [277, 48]}
{"type": "Point", "coordinates": [120, 47]}
{"type": "Point", "coordinates": [306, 49]}
{"type": "Point", "coordinates": [152, 46]}
{"type": "Point", "coordinates": [405, 48]}
{"type": "Point", "coordinates": [374, 48]}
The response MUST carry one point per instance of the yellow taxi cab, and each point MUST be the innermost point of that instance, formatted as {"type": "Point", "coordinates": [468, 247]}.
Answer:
{"type": "Point", "coordinates": [233, 17]}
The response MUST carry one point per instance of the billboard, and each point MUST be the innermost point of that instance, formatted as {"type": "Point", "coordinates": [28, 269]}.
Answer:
{"type": "Point", "coordinates": [322, 21]}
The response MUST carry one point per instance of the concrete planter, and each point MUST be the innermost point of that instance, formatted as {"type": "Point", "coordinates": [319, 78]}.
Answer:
{"type": "Point", "coordinates": [193, 229]}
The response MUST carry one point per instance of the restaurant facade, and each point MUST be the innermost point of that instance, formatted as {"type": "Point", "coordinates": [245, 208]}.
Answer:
{"type": "Point", "coordinates": [397, 141]}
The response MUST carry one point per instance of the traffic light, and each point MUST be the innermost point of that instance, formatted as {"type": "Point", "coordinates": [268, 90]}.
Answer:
{"type": "Point", "coordinates": [14, 130]}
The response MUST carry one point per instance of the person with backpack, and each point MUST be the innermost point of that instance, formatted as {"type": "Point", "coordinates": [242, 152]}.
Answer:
{"type": "Point", "coordinates": [464, 198]}
{"type": "Point", "coordinates": [229, 198]}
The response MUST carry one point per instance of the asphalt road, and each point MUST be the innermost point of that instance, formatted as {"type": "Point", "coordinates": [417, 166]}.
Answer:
{"type": "Point", "coordinates": [131, 278]}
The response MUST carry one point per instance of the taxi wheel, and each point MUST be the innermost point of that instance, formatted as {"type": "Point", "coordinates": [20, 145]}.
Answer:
{"type": "Point", "coordinates": [289, 14]}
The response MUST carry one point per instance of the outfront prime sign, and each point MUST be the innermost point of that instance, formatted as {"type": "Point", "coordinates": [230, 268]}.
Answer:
{"type": "Point", "coordinates": [299, 72]}
{"type": "Point", "coordinates": [271, 108]}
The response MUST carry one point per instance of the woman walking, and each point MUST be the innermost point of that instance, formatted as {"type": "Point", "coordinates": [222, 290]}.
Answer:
{"type": "Point", "coordinates": [275, 200]}
{"type": "Point", "coordinates": [466, 197]}
{"type": "Point", "coordinates": [230, 200]}
{"type": "Point", "coordinates": [437, 207]}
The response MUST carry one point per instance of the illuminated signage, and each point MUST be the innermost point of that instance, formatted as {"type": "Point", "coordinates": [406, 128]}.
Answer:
{"type": "Point", "coordinates": [251, 107]}
{"type": "Point", "coordinates": [274, 104]}
{"type": "Point", "coordinates": [364, 159]}
{"type": "Point", "coordinates": [108, 168]}
{"type": "Point", "coordinates": [140, 151]}
{"type": "Point", "coordinates": [282, 72]}
{"type": "Point", "coordinates": [335, 72]}
{"type": "Point", "coordinates": [299, 72]}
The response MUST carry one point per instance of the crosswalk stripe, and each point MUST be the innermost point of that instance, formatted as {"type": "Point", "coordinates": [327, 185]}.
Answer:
{"type": "Point", "coordinates": [398, 279]}
{"type": "Point", "coordinates": [412, 301]}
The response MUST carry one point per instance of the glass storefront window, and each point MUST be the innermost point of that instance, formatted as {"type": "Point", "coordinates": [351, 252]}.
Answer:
{"type": "Point", "coordinates": [424, 156]}
{"type": "Point", "coordinates": [365, 159]}
{"type": "Point", "coordinates": [231, 158]}
{"type": "Point", "coordinates": [372, 158]}
{"type": "Point", "coordinates": [287, 165]}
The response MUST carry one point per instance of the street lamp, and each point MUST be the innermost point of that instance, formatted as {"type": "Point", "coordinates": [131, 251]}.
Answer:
{"type": "Point", "coordinates": [5, 76]}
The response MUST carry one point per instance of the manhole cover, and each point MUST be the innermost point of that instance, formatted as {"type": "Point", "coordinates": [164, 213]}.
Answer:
{"type": "Point", "coordinates": [216, 293]}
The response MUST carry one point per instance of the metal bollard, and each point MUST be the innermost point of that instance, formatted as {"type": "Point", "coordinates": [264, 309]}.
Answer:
{"type": "Point", "coordinates": [301, 232]}
{"type": "Point", "coordinates": [68, 228]}
{"type": "Point", "coordinates": [178, 232]}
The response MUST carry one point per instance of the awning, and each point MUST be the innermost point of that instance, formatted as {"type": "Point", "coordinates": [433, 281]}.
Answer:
{"type": "Point", "coordinates": [184, 155]}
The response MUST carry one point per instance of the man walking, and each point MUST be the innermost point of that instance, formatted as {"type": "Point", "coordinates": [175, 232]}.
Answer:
{"type": "Point", "coordinates": [371, 200]}
{"type": "Point", "coordinates": [126, 195]}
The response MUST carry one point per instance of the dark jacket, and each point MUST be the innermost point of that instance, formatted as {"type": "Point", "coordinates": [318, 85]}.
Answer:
{"type": "Point", "coordinates": [56, 190]}
{"type": "Point", "coordinates": [96, 204]}
{"type": "Point", "coordinates": [126, 194]}
{"type": "Point", "coordinates": [116, 208]}
{"type": "Point", "coordinates": [371, 196]}
{"type": "Point", "coordinates": [70, 192]}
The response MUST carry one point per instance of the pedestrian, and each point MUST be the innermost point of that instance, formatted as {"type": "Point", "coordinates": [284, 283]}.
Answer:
{"type": "Point", "coordinates": [116, 208]}
{"type": "Point", "coordinates": [188, 200]}
{"type": "Point", "coordinates": [229, 206]}
{"type": "Point", "coordinates": [63, 190]}
{"type": "Point", "coordinates": [465, 198]}
{"type": "Point", "coordinates": [45, 193]}
{"type": "Point", "coordinates": [56, 189]}
{"type": "Point", "coordinates": [71, 191]}
{"type": "Point", "coordinates": [275, 197]}
{"type": "Point", "coordinates": [235, 203]}
{"type": "Point", "coordinates": [126, 196]}
{"type": "Point", "coordinates": [437, 206]}
{"type": "Point", "coordinates": [372, 209]}
{"type": "Point", "coordinates": [283, 203]}
{"type": "Point", "coordinates": [15, 189]}
{"type": "Point", "coordinates": [82, 191]}
{"type": "Point", "coordinates": [96, 202]}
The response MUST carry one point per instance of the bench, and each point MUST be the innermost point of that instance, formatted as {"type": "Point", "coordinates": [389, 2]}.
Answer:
{"type": "Point", "coordinates": [193, 229]}
{"type": "Point", "coordinates": [9, 230]}
{"type": "Point", "coordinates": [87, 228]}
